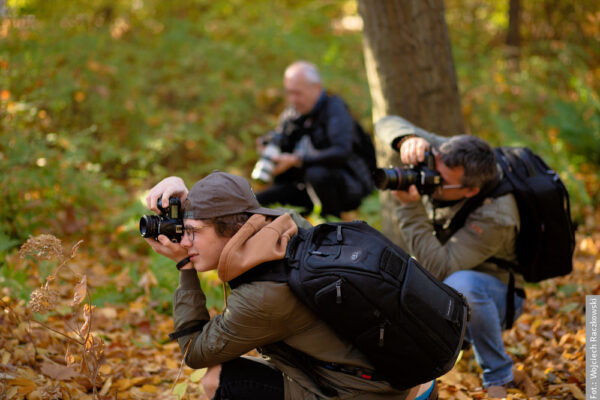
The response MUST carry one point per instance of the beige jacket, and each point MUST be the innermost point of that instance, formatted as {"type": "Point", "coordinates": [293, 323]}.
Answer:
{"type": "Point", "coordinates": [489, 231]}
{"type": "Point", "coordinates": [260, 314]}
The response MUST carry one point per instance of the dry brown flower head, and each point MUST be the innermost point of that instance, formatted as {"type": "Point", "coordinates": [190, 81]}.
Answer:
{"type": "Point", "coordinates": [42, 247]}
{"type": "Point", "coordinates": [43, 299]}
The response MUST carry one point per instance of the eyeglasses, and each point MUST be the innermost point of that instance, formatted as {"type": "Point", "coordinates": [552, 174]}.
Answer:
{"type": "Point", "coordinates": [190, 231]}
{"type": "Point", "coordinates": [455, 186]}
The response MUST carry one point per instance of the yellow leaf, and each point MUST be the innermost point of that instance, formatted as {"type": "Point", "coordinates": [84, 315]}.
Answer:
{"type": "Point", "coordinates": [197, 375]}
{"type": "Point", "coordinates": [179, 390]}
{"type": "Point", "coordinates": [11, 392]}
{"type": "Point", "coordinates": [588, 246]}
{"type": "Point", "coordinates": [36, 395]}
{"type": "Point", "coordinates": [5, 356]}
{"type": "Point", "coordinates": [123, 384]}
{"type": "Point", "coordinates": [106, 386]}
{"type": "Point", "coordinates": [69, 358]}
{"type": "Point", "coordinates": [148, 388]}
{"type": "Point", "coordinates": [105, 369]}
{"type": "Point", "coordinates": [22, 382]}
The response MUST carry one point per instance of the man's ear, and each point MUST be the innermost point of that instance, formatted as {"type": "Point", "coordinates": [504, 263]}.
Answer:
{"type": "Point", "coordinates": [471, 191]}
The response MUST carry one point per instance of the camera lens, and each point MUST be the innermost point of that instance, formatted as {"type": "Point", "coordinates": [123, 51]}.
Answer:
{"type": "Point", "coordinates": [394, 178]}
{"type": "Point", "coordinates": [385, 178]}
{"type": "Point", "coordinates": [263, 171]}
{"type": "Point", "coordinates": [149, 226]}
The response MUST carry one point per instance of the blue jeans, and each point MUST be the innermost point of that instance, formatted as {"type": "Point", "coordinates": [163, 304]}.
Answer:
{"type": "Point", "coordinates": [487, 298]}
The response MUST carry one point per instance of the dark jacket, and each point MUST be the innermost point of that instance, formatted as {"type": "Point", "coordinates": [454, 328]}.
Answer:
{"type": "Point", "coordinates": [262, 314]}
{"type": "Point", "coordinates": [489, 231]}
{"type": "Point", "coordinates": [333, 138]}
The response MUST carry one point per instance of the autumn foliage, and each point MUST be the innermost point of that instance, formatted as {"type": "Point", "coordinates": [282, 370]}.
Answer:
{"type": "Point", "coordinates": [81, 351]}
{"type": "Point", "coordinates": [100, 100]}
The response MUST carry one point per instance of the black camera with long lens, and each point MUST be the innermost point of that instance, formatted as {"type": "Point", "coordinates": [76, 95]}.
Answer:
{"type": "Point", "coordinates": [168, 223]}
{"type": "Point", "coordinates": [423, 175]}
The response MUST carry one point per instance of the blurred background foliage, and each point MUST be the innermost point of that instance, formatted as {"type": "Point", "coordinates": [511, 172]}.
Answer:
{"type": "Point", "coordinates": [100, 100]}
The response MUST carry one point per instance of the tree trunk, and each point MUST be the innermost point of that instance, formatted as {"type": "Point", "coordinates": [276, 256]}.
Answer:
{"type": "Point", "coordinates": [513, 35]}
{"type": "Point", "coordinates": [411, 73]}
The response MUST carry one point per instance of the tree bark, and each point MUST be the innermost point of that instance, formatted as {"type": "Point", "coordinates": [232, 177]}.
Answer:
{"type": "Point", "coordinates": [411, 73]}
{"type": "Point", "coordinates": [513, 34]}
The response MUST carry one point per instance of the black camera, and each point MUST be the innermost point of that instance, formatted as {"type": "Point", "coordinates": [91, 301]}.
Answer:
{"type": "Point", "coordinates": [168, 223]}
{"type": "Point", "coordinates": [423, 175]}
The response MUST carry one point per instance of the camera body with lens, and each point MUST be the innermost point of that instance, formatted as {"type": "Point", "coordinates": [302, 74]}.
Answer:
{"type": "Point", "coordinates": [423, 175]}
{"type": "Point", "coordinates": [169, 222]}
{"type": "Point", "coordinates": [263, 169]}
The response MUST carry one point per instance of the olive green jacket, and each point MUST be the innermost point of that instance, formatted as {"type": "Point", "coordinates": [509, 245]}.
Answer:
{"type": "Point", "coordinates": [489, 231]}
{"type": "Point", "coordinates": [261, 314]}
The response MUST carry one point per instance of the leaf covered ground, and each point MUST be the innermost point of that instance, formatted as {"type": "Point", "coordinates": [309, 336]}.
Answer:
{"type": "Point", "coordinates": [57, 344]}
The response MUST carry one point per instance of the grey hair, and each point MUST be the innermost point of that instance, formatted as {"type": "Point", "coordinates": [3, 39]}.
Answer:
{"type": "Point", "coordinates": [308, 69]}
{"type": "Point", "coordinates": [475, 155]}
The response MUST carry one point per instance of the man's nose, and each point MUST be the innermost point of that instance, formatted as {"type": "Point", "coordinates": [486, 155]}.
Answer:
{"type": "Point", "coordinates": [185, 242]}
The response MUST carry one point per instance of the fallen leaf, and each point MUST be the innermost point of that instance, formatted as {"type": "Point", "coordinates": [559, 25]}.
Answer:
{"type": "Point", "coordinates": [106, 387]}
{"type": "Point", "coordinates": [575, 391]}
{"type": "Point", "coordinates": [147, 281]}
{"type": "Point", "coordinates": [197, 375]}
{"type": "Point", "coordinates": [148, 388]}
{"type": "Point", "coordinates": [57, 371]}
{"type": "Point", "coordinates": [525, 383]}
{"type": "Point", "coordinates": [180, 389]}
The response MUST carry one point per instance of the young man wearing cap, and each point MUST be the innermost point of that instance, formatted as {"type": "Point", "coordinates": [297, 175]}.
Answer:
{"type": "Point", "coordinates": [226, 229]}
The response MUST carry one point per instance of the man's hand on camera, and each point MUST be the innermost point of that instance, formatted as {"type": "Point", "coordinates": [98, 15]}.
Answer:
{"type": "Point", "coordinates": [285, 161]}
{"type": "Point", "coordinates": [412, 150]}
{"type": "Point", "coordinates": [407, 196]}
{"type": "Point", "coordinates": [172, 186]}
{"type": "Point", "coordinates": [165, 247]}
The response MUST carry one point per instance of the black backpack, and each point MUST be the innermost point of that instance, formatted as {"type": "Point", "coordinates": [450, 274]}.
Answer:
{"type": "Point", "coordinates": [408, 324]}
{"type": "Point", "coordinates": [363, 146]}
{"type": "Point", "coordinates": [546, 240]}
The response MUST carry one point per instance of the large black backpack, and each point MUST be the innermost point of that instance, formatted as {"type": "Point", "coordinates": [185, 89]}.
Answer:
{"type": "Point", "coordinates": [363, 146]}
{"type": "Point", "coordinates": [408, 324]}
{"type": "Point", "coordinates": [546, 239]}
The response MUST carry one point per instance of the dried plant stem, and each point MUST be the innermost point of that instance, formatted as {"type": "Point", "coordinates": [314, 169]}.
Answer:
{"type": "Point", "coordinates": [187, 349]}
{"type": "Point", "coordinates": [59, 332]}
{"type": "Point", "coordinates": [53, 275]}
{"type": "Point", "coordinates": [87, 336]}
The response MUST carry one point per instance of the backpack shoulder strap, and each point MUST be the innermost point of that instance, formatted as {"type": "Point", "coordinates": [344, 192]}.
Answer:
{"type": "Point", "coordinates": [494, 189]}
{"type": "Point", "coordinates": [275, 271]}
{"type": "Point", "coordinates": [499, 187]}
